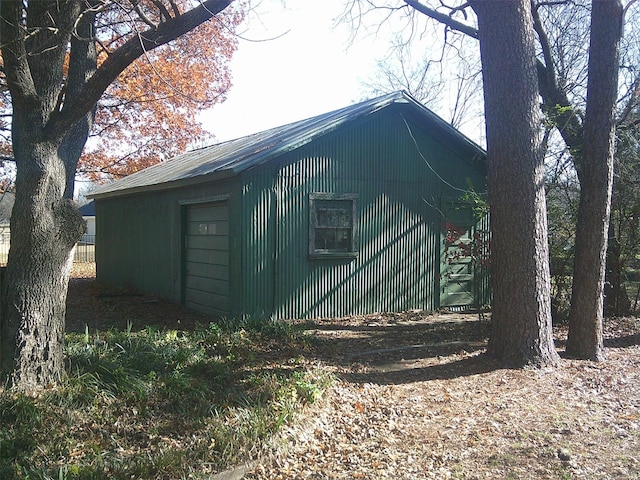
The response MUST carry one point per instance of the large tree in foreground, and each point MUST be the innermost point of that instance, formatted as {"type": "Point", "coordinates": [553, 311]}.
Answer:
{"type": "Point", "coordinates": [521, 331]}
{"type": "Point", "coordinates": [50, 51]}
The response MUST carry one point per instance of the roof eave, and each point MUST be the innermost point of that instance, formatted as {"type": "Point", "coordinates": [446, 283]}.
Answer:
{"type": "Point", "coordinates": [183, 182]}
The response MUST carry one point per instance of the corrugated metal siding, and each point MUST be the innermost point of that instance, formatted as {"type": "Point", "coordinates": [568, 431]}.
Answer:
{"type": "Point", "coordinates": [140, 239]}
{"type": "Point", "coordinates": [400, 239]}
{"type": "Point", "coordinates": [132, 239]}
{"type": "Point", "coordinates": [257, 269]}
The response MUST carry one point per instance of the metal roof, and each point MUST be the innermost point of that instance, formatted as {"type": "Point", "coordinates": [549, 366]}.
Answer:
{"type": "Point", "coordinates": [232, 157]}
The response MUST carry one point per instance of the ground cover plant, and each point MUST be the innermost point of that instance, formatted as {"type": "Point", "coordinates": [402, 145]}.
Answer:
{"type": "Point", "coordinates": [406, 396]}
{"type": "Point", "coordinates": [159, 403]}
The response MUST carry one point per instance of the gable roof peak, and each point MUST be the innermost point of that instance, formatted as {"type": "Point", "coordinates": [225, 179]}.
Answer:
{"type": "Point", "coordinates": [232, 157]}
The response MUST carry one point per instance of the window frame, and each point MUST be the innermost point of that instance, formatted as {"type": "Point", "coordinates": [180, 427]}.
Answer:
{"type": "Point", "coordinates": [319, 197]}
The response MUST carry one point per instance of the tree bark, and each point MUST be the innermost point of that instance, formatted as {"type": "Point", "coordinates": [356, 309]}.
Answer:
{"type": "Point", "coordinates": [83, 63]}
{"type": "Point", "coordinates": [51, 118]}
{"type": "Point", "coordinates": [596, 180]}
{"type": "Point", "coordinates": [44, 225]}
{"type": "Point", "coordinates": [44, 229]}
{"type": "Point", "coordinates": [521, 332]}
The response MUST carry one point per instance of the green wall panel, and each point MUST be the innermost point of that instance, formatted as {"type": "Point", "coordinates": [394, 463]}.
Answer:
{"type": "Point", "coordinates": [140, 240]}
{"type": "Point", "coordinates": [399, 172]}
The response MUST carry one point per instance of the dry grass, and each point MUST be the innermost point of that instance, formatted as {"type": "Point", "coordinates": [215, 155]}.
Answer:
{"type": "Point", "coordinates": [83, 270]}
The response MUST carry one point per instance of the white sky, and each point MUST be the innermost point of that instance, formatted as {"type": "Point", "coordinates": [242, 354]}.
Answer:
{"type": "Point", "coordinates": [311, 69]}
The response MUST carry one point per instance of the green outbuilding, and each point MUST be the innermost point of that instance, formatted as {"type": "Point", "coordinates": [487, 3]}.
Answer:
{"type": "Point", "coordinates": [346, 213]}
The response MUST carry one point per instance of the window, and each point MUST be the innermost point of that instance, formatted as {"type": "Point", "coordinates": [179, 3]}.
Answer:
{"type": "Point", "coordinates": [333, 225]}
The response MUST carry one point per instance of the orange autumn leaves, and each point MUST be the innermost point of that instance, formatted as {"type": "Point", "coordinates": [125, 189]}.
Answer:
{"type": "Point", "coordinates": [151, 112]}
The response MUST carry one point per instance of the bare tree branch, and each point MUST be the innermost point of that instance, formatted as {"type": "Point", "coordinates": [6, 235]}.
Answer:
{"type": "Point", "coordinates": [443, 18]}
{"type": "Point", "coordinates": [121, 58]}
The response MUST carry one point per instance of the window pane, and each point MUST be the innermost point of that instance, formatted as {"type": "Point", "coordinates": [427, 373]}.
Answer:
{"type": "Point", "coordinates": [322, 217]}
{"type": "Point", "coordinates": [343, 239]}
{"type": "Point", "coordinates": [333, 226]}
{"type": "Point", "coordinates": [333, 239]}
{"type": "Point", "coordinates": [324, 239]}
{"type": "Point", "coordinates": [333, 214]}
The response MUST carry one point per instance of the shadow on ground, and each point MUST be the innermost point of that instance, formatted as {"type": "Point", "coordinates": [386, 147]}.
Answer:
{"type": "Point", "coordinates": [384, 348]}
{"type": "Point", "coordinates": [402, 348]}
{"type": "Point", "coordinates": [414, 346]}
{"type": "Point", "coordinates": [396, 375]}
{"type": "Point", "coordinates": [623, 341]}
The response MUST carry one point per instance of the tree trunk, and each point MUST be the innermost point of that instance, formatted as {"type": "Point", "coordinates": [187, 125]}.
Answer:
{"type": "Point", "coordinates": [596, 180]}
{"type": "Point", "coordinates": [44, 229]}
{"type": "Point", "coordinates": [49, 65]}
{"type": "Point", "coordinates": [521, 332]}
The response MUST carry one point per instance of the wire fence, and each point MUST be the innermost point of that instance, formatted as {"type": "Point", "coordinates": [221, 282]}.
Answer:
{"type": "Point", "coordinates": [85, 249]}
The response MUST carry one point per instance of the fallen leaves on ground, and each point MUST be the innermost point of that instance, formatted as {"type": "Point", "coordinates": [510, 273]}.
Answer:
{"type": "Point", "coordinates": [420, 412]}
{"type": "Point", "coordinates": [417, 398]}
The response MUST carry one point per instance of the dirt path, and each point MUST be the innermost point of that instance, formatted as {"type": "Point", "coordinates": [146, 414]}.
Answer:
{"type": "Point", "coordinates": [416, 398]}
